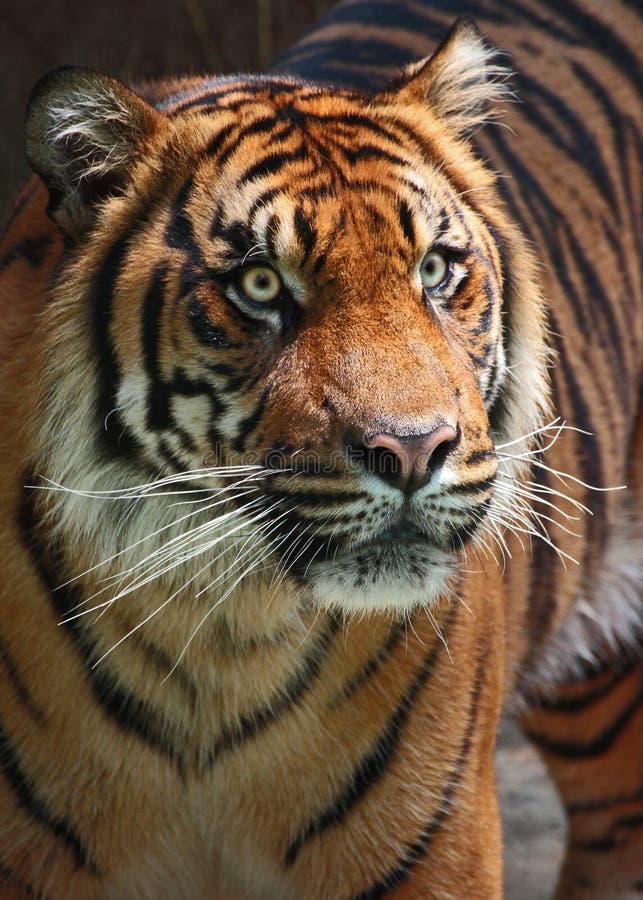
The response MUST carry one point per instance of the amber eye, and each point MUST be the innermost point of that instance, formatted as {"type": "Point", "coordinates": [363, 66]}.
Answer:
{"type": "Point", "coordinates": [260, 284]}
{"type": "Point", "coordinates": [434, 269]}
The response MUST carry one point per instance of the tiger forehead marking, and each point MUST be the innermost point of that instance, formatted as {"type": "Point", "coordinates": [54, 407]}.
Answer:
{"type": "Point", "coordinates": [324, 243]}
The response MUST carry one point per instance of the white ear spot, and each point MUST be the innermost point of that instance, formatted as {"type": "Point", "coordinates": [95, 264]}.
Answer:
{"type": "Point", "coordinates": [86, 134]}
{"type": "Point", "coordinates": [460, 82]}
{"type": "Point", "coordinates": [83, 132]}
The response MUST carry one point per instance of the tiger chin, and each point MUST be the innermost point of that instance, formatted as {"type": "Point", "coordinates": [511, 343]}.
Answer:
{"type": "Point", "coordinates": [275, 363]}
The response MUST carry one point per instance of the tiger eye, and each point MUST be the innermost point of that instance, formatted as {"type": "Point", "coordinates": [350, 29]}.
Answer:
{"type": "Point", "coordinates": [261, 284]}
{"type": "Point", "coordinates": [434, 269]}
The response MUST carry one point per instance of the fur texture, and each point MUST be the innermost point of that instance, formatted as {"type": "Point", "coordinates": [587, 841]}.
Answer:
{"type": "Point", "coordinates": [312, 429]}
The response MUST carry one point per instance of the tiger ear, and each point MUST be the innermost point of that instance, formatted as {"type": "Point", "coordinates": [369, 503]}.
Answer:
{"type": "Point", "coordinates": [83, 132]}
{"type": "Point", "coordinates": [459, 81]}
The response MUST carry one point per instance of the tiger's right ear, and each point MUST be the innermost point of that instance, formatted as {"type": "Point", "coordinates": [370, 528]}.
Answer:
{"type": "Point", "coordinates": [459, 82]}
{"type": "Point", "coordinates": [83, 132]}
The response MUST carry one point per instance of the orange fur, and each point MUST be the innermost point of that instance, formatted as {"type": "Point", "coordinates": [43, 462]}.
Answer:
{"type": "Point", "coordinates": [324, 725]}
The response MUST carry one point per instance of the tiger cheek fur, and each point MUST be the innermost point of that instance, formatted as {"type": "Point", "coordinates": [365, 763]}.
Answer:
{"type": "Point", "coordinates": [274, 363]}
{"type": "Point", "coordinates": [194, 372]}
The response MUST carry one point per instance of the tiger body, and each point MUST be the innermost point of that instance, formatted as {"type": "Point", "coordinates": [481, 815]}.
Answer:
{"type": "Point", "coordinates": [323, 727]}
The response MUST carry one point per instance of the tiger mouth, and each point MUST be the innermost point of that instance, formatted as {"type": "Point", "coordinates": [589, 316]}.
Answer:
{"type": "Point", "coordinates": [403, 532]}
{"type": "Point", "coordinates": [402, 536]}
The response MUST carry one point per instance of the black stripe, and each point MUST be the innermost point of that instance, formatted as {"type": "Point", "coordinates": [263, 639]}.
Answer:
{"type": "Point", "coordinates": [182, 384]}
{"type": "Point", "coordinates": [477, 457]}
{"type": "Point", "coordinates": [262, 201]}
{"type": "Point", "coordinates": [217, 90]}
{"type": "Point", "coordinates": [474, 487]}
{"type": "Point", "coordinates": [633, 189]}
{"type": "Point", "coordinates": [305, 231]}
{"type": "Point", "coordinates": [272, 163]}
{"type": "Point", "coordinates": [371, 667]}
{"type": "Point", "coordinates": [115, 436]}
{"type": "Point", "coordinates": [287, 697]}
{"type": "Point", "coordinates": [38, 809]}
{"type": "Point", "coordinates": [364, 152]}
{"type": "Point", "coordinates": [581, 702]}
{"type": "Point", "coordinates": [18, 684]}
{"type": "Point", "coordinates": [237, 234]}
{"type": "Point", "coordinates": [571, 134]}
{"type": "Point", "coordinates": [484, 319]}
{"type": "Point", "coordinates": [385, 14]}
{"type": "Point", "coordinates": [248, 425]}
{"type": "Point", "coordinates": [158, 406]}
{"type": "Point", "coordinates": [619, 125]}
{"type": "Point", "coordinates": [393, 131]}
{"type": "Point", "coordinates": [373, 765]}
{"type": "Point", "coordinates": [590, 458]}
{"type": "Point", "coordinates": [601, 804]}
{"type": "Point", "coordinates": [545, 216]}
{"type": "Point", "coordinates": [341, 60]}
{"type": "Point", "coordinates": [611, 840]}
{"type": "Point", "coordinates": [460, 534]}
{"type": "Point", "coordinates": [597, 845]}
{"type": "Point", "coordinates": [12, 878]}
{"type": "Point", "coordinates": [136, 716]}
{"type": "Point", "coordinates": [217, 142]}
{"type": "Point", "coordinates": [132, 714]}
{"type": "Point", "coordinates": [31, 250]}
{"type": "Point", "coordinates": [27, 193]}
{"type": "Point", "coordinates": [179, 232]}
{"type": "Point", "coordinates": [203, 329]}
{"type": "Point", "coordinates": [603, 303]}
{"type": "Point", "coordinates": [523, 16]}
{"type": "Point", "coordinates": [176, 464]}
{"type": "Point", "coordinates": [324, 499]}
{"type": "Point", "coordinates": [594, 747]}
{"type": "Point", "coordinates": [406, 222]}
{"type": "Point", "coordinates": [597, 33]}
{"type": "Point", "coordinates": [157, 658]}
{"type": "Point", "coordinates": [419, 848]}
{"type": "Point", "coordinates": [259, 126]}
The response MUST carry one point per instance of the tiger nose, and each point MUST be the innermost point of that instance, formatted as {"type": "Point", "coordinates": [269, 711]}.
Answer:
{"type": "Point", "coordinates": [407, 462]}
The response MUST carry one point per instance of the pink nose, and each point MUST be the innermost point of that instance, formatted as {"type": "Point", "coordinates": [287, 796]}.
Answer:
{"type": "Point", "coordinates": [407, 462]}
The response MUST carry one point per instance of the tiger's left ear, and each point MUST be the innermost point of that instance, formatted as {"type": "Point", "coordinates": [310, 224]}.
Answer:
{"type": "Point", "coordinates": [84, 131]}
{"type": "Point", "coordinates": [459, 81]}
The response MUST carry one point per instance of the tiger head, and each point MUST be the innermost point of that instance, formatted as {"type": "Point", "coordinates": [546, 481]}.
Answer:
{"type": "Point", "coordinates": [315, 293]}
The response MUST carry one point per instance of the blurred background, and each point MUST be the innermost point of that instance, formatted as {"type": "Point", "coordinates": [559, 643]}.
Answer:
{"type": "Point", "coordinates": [132, 40]}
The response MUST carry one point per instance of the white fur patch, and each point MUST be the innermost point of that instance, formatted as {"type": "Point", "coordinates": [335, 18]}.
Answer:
{"type": "Point", "coordinates": [606, 620]}
{"type": "Point", "coordinates": [97, 125]}
{"type": "Point", "coordinates": [462, 80]}
{"type": "Point", "coordinates": [388, 586]}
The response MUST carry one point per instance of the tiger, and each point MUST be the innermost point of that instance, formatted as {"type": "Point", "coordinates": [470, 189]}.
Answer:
{"type": "Point", "coordinates": [321, 446]}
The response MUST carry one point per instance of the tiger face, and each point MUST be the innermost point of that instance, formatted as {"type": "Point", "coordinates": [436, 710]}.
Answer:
{"type": "Point", "coordinates": [309, 283]}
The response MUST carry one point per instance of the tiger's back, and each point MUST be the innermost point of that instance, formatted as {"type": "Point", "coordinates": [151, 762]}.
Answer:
{"type": "Point", "coordinates": [296, 750]}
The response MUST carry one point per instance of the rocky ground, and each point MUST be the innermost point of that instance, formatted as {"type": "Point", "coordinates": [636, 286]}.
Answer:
{"type": "Point", "coordinates": [534, 830]}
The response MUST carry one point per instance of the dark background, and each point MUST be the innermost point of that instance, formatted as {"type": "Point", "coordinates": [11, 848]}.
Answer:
{"type": "Point", "coordinates": [132, 39]}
